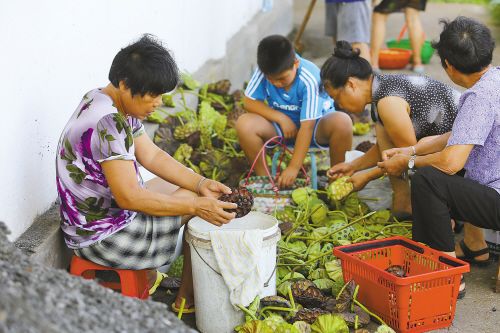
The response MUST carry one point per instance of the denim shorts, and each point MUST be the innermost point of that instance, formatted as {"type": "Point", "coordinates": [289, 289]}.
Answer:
{"type": "Point", "coordinates": [291, 142]}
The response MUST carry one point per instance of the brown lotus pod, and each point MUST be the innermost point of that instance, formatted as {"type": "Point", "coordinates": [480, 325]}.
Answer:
{"type": "Point", "coordinates": [285, 227]}
{"type": "Point", "coordinates": [308, 315]}
{"type": "Point", "coordinates": [306, 293]}
{"type": "Point", "coordinates": [364, 146]}
{"type": "Point", "coordinates": [329, 304]}
{"type": "Point", "coordinates": [220, 87]}
{"type": "Point", "coordinates": [350, 317]}
{"type": "Point", "coordinates": [344, 299]}
{"type": "Point", "coordinates": [242, 197]}
{"type": "Point", "coordinates": [396, 270]}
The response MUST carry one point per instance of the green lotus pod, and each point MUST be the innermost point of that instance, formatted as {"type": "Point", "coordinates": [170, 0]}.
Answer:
{"type": "Point", "coordinates": [320, 210]}
{"type": "Point", "coordinates": [340, 188]}
{"type": "Point", "coordinates": [360, 128]}
{"type": "Point", "coordinates": [361, 232]}
{"type": "Point", "coordinates": [354, 207]}
{"type": "Point", "coordinates": [168, 100]}
{"type": "Point", "coordinates": [302, 195]}
{"type": "Point", "coordinates": [325, 285]}
{"type": "Point", "coordinates": [182, 132]}
{"type": "Point", "coordinates": [183, 153]}
{"type": "Point", "coordinates": [381, 216]}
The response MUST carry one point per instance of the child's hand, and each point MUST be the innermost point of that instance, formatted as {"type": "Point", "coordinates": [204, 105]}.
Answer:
{"type": "Point", "coordinates": [288, 127]}
{"type": "Point", "coordinates": [287, 177]}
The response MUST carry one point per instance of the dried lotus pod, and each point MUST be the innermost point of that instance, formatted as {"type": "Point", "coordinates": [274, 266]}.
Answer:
{"type": "Point", "coordinates": [350, 317]}
{"type": "Point", "coordinates": [308, 315]}
{"type": "Point", "coordinates": [307, 294]}
{"type": "Point", "coordinates": [396, 270]}
{"type": "Point", "coordinates": [285, 227]}
{"type": "Point", "coordinates": [277, 301]}
{"type": "Point", "coordinates": [364, 146]}
{"type": "Point", "coordinates": [242, 197]}
{"type": "Point", "coordinates": [220, 87]}
{"type": "Point", "coordinates": [340, 188]}
{"type": "Point", "coordinates": [344, 299]}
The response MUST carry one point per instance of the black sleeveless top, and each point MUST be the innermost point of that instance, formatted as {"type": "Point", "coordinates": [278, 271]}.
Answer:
{"type": "Point", "coordinates": [433, 104]}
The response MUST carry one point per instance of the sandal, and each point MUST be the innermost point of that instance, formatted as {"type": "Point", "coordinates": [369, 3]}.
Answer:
{"type": "Point", "coordinates": [470, 256]}
{"type": "Point", "coordinates": [186, 310]}
{"type": "Point", "coordinates": [159, 278]}
{"type": "Point", "coordinates": [461, 293]}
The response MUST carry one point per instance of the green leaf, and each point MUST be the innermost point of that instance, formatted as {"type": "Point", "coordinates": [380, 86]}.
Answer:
{"type": "Point", "coordinates": [189, 82]}
{"type": "Point", "coordinates": [83, 232]}
{"type": "Point", "coordinates": [110, 138]}
{"type": "Point", "coordinates": [72, 168]}
{"type": "Point", "coordinates": [68, 150]}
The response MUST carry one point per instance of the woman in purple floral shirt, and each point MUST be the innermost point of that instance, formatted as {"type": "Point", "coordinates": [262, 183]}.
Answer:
{"type": "Point", "coordinates": [109, 216]}
{"type": "Point", "coordinates": [438, 194]}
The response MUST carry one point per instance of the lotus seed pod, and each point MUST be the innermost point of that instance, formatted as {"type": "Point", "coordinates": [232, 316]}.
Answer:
{"type": "Point", "coordinates": [340, 188]}
{"type": "Point", "coordinates": [301, 195]}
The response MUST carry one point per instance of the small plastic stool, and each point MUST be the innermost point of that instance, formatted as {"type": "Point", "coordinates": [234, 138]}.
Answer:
{"type": "Point", "coordinates": [132, 283]}
{"type": "Point", "coordinates": [314, 172]}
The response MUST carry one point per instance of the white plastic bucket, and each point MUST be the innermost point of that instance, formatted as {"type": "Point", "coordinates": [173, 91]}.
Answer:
{"type": "Point", "coordinates": [214, 311]}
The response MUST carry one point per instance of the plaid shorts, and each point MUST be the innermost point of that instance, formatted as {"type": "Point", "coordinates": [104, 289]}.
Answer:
{"type": "Point", "coordinates": [148, 242]}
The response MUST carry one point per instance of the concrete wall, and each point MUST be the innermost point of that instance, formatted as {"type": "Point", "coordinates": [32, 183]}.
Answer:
{"type": "Point", "coordinates": [54, 51]}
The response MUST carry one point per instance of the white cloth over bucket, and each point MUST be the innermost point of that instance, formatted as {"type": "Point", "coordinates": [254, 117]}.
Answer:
{"type": "Point", "coordinates": [238, 254]}
{"type": "Point", "coordinates": [214, 311]}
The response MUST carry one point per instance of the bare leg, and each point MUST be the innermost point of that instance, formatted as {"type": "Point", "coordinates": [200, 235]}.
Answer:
{"type": "Point", "coordinates": [474, 240]}
{"type": "Point", "coordinates": [401, 188]}
{"type": "Point", "coordinates": [415, 31]}
{"type": "Point", "coordinates": [253, 130]}
{"type": "Point", "coordinates": [364, 50]}
{"type": "Point", "coordinates": [377, 37]}
{"type": "Point", "coordinates": [336, 130]}
{"type": "Point", "coordinates": [186, 289]}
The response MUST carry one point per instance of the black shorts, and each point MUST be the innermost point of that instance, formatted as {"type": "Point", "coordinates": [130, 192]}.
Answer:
{"type": "Point", "coordinates": [393, 6]}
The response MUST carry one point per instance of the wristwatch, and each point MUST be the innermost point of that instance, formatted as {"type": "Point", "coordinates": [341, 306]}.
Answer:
{"type": "Point", "coordinates": [411, 165]}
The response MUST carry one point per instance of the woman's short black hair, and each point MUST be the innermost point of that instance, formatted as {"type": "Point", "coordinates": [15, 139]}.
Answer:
{"type": "Point", "coordinates": [146, 67]}
{"type": "Point", "coordinates": [344, 63]}
{"type": "Point", "coordinates": [466, 44]}
{"type": "Point", "coordinates": [275, 54]}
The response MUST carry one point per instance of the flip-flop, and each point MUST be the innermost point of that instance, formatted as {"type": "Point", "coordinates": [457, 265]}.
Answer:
{"type": "Point", "coordinates": [470, 256]}
{"type": "Point", "coordinates": [185, 311]}
{"type": "Point", "coordinates": [159, 277]}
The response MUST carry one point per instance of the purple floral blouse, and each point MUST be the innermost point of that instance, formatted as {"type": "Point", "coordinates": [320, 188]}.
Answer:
{"type": "Point", "coordinates": [96, 132]}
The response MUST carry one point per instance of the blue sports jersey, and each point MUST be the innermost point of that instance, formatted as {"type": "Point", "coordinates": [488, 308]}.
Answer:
{"type": "Point", "coordinates": [303, 101]}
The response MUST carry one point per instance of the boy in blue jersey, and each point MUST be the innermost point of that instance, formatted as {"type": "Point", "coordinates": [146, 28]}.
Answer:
{"type": "Point", "coordinates": [296, 109]}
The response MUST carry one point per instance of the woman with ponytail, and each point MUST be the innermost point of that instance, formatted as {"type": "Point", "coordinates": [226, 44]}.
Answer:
{"type": "Point", "coordinates": [405, 109]}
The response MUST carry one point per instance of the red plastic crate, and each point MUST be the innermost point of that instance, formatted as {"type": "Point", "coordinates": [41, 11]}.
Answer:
{"type": "Point", "coordinates": [424, 300]}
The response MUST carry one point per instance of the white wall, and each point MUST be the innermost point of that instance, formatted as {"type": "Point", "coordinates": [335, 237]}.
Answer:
{"type": "Point", "coordinates": [52, 52]}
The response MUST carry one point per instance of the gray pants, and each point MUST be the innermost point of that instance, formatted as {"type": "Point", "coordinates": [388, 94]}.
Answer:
{"type": "Point", "coordinates": [349, 21]}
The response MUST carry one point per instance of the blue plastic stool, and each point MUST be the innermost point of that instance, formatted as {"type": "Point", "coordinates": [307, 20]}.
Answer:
{"type": "Point", "coordinates": [314, 172]}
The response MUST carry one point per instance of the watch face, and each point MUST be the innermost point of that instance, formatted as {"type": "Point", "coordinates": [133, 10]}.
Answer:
{"type": "Point", "coordinates": [411, 163]}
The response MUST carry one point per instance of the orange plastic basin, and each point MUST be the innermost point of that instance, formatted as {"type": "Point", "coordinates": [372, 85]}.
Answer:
{"type": "Point", "coordinates": [394, 58]}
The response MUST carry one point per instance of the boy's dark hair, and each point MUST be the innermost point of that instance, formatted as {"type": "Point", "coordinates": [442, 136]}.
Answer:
{"type": "Point", "coordinates": [145, 67]}
{"type": "Point", "coordinates": [344, 63]}
{"type": "Point", "coordinates": [275, 54]}
{"type": "Point", "coordinates": [466, 44]}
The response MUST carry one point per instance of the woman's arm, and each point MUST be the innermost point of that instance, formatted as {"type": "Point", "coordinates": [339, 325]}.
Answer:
{"type": "Point", "coordinates": [129, 195]}
{"type": "Point", "coordinates": [163, 165]}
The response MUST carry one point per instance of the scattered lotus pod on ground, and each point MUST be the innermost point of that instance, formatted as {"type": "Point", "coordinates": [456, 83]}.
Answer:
{"type": "Point", "coordinates": [344, 299]}
{"type": "Point", "coordinates": [364, 146]}
{"type": "Point", "coordinates": [183, 131]}
{"type": "Point", "coordinates": [319, 210]}
{"type": "Point", "coordinates": [221, 87]}
{"type": "Point", "coordinates": [183, 153]}
{"type": "Point", "coordinates": [308, 315]}
{"type": "Point", "coordinates": [360, 128]}
{"type": "Point", "coordinates": [285, 227]}
{"type": "Point", "coordinates": [277, 301]}
{"type": "Point", "coordinates": [307, 294]}
{"type": "Point", "coordinates": [339, 189]}
{"type": "Point", "coordinates": [350, 317]}
{"type": "Point", "coordinates": [242, 197]}
{"type": "Point", "coordinates": [302, 195]}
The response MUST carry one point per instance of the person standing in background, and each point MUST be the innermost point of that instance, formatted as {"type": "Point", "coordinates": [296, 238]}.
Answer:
{"type": "Point", "coordinates": [411, 10]}
{"type": "Point", "coordinates": [350, 20]}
